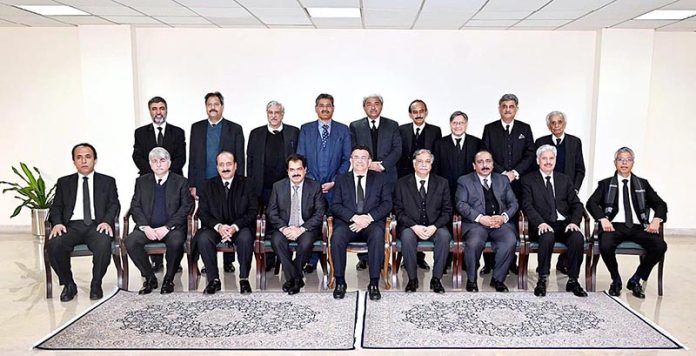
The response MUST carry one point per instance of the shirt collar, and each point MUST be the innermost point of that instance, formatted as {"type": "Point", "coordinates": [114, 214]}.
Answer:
{"type": "Point", "coordinates": [279, 129]}
{"type": "Point", "coordinates": [421, 127]}
{"type": "Point", "coordinates": [512, 124]}
{"type": "Point", "coordinates": [377, 120]}
{"type": "Point", "coordinates": [554, 138]}
{"type": "Point", "coordinates": [227, 181]}
{"type": "Point", "coordinates": [454, 139]}
{"type": "Point", "coordinates": [163, 126]}
{"type": "Point", "coordinates": [163, 178]}
{"type": "Point", "coordinates": [481, 178]}
{"type": "Point", "coordinates": [210, 122]}
{"type": "Point", "coordinates": [90, 176]}
{"type": "Point", "coordinates": [544, 175]}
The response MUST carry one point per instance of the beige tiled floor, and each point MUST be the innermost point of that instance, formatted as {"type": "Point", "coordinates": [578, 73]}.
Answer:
{"type": "Point", "coordinates": [27, 316]}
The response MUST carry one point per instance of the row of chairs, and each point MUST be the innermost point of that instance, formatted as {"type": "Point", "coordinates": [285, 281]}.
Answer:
{"type": "Point", "coordinates": [392, 255]}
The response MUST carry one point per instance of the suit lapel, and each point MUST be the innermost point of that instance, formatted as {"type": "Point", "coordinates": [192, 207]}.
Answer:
{"type": "Point", "coordinates": [352, 191]}
{"type": "Point", "coordinates": [306, 198]}
{"type": "Point", "coordinates": [412, 188]}
{"type": "Point", "coordinates": [150, 139]}
{"type": "Point", "coordinates": [170, 192]}
{"type": "Point", "coordinates": [71, 194]}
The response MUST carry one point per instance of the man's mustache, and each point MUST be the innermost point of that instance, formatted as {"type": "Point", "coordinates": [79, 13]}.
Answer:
{"type": "Point", "coordinates": [226, 170]}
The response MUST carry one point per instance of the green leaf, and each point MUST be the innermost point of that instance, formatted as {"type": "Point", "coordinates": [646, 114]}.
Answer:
{"type": "Point", "coordinates": [16, 211]}
{"type": "Point", "coordinates": [20, 175]}
{"type": "Point", "coordinates": [30, 176]}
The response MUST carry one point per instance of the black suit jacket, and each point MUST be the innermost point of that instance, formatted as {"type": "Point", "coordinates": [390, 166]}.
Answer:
{"type": "Point", "coordinates": [595, 205]}
{"type": "Point", "coordinates": [174, 143]}
{"type": "Point", "coordinates": [432, 133]}
{"type": "Point", "coordinates": [537, 204]}
{"type": "Point", "coordinates": [445, 155]}
{"type": "Point", "coordinates": [438, 206]}
{"type": "Point", "coordinates": [231, 139]}
{"type": "Point", "coordinates": [378, 198]}
{"type": "Point", "coordinates": [574, 161]}
{"type": "Point", "coordinates": [256, 151]}
{"type": "Point", "coordinates": [388, 140]}
{"type": "Point", "coordinates": [106, 205]}
{"type": "Point", "coordinates": [522, 150]}
{"type": "Point", "coordinates": [240, 206]}
{"type": "Point", "coordinates": [179, 201]}
{"type": "Point", "coordinates": [313, 205]}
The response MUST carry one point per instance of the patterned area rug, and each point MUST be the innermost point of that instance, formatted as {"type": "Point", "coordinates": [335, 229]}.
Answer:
{"type": "Point", "coordinates": [511, 320]}
{"type": "Point", "coordinates": [224, 321]}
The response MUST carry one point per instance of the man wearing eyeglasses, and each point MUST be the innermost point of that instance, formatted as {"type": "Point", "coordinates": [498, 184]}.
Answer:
{"type": "Point", "coordinates": [622, 205]}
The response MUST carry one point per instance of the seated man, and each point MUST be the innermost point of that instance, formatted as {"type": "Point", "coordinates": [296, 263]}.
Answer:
{"type": "Point", "coordinates": [361, 202]}
{"type": "Point", "coordinates": [622, 204]}
{"type": "Point", "coordinates": [295, 213]}
{"type": "Point", "coordinates": [83, 212]}
{"type": "Point", "coordinates": [554, 212]}
{"type": "Point", "coordinates": [423, 210]}
{"type": "Point", "coordinates": [227, 209]}
{"type": "Point", "coordinates": [486, 203]}
{"type": "Point", "coordinates": [159, 207]}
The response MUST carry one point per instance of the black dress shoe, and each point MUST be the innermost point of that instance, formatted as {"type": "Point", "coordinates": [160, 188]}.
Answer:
{"type": "Point", "coordinates": [287, 285]}
{"type": "Point", "coordinates": [436, 285]}
{"type": "Point", "coordinates": [423, 265]}
{"type": "Point", "coordinates": [540, 289]}
{"type": "Point", "coordinates": [411, 286]}
{"type": "Point", "coordinates": [636, 289]}
{"type": "Point", "coordinates": [309, 268]}
{"type": "Point", "coordinates": [296, 286]}
{"type": "Point", "coordinates": [244, 287]}
{"type": "Point", "coordinates": [179, 269]}
{"type": "Point", "coordinates": [486, 269]}
{"type": "Point", "coordinates": [96, 292]}
{"type": "Point", "coordinates": [167, 287]}
{"type": "Point", "coordinates": [576, 288]}
{"type": "Point", "coordinates": [499, 286]}
{"type": "Point", "coordinates": [212, 287]}
{"type": "Point", "coordinates": [148, 286]}
{"type": "Point", "coordinates": [373, 292]}
{"type": "Point", "coordinates": [228, 267]}
{"type": "Point", "coordinates": [69, 292]}
{"type": "Point", "coordinates": [361, 265]}
{"type": "Point", "coordinates": [471, 286]}
{"type": "Point", "coordinates": [157, 266]}
{"type": "Point", "coordinates": [339, 291]}
{"type": "Point", "coordinates": [561, 268]}
{"type": "Point", "coordinates": [615, 289]}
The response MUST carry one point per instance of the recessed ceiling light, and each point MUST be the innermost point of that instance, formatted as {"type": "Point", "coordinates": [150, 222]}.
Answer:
{"type": "Point", "coordinates": [667, 15]}
{"type": "Point", "coordinates": [345, 12]}
{"type": "Point", "coordinates": [53, 10]}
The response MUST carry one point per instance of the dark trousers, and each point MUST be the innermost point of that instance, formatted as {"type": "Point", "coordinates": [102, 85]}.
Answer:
{"type": "Point", "coordinates": [60, 247]}
{"type": "Point", "coordinates": [503, 240]}
{"type": "Point", "coordinates": [573, 239]}
{"type": "Point", "coordinates": [654, 246]}
{"type": "Point", "coordinates": [281, 247]}
{"type": "Point", "coordinates": [373, 234]}
{"type": "Point", "coordinates": [206, 241]}
{"type": "Point", "coordinates": [409, 243]}
{"type": "Point", "coordinates": [174, 240]}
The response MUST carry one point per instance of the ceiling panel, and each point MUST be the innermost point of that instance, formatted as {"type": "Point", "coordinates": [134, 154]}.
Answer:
{"type": "Point", "coordinates": [183, 20]}
{"type": "Point", "coordinates": [29, 2]}
{"type": "Point", "coordinates": [208, 3]}
{"type": "Point", "coordinates": [392, 4]}
{"type": "Point", "coordinates": [502, 15]}
{"type": "Point", "coordinates": [282, 16]}
{"type": "Point", "coordinates": [433, 20]}
{"type": "Point", "coordinates": [642, 24]}
{"type": "Point", "coordinates": [34, 20]}
{"type": "Point", "coordinates": [86, 2]}
{"type": "Point", "coordinates": [221, 12]}
{"type": "Point", "coordinates": [490, 23]}
{"type": "Point", "coordinates": [6, 10]}
{"type": "Point", "coordinates": [270, 4]}
{"type": "Point", "coordinates": [109, 10]}
{"type": "Point", "coordinates": [338, 22]}
{"type": "Point", "coordinates": [514, 5]}
{"type": "Point", "coordinates": [389, 18]}
{"type": "Point", "coordinates": [330, 3]}
{"type": "Point", "coordinates": [541, 23]}
{"type": "Point", "coordinates": [557, 14]}
{"type": "Point", "coordinates": [83, 20]}
{"type": "Point", "coordinates": [148, 3]}
{"type": "Point", "coordinates": [576, 5]}
{"type": "Point", "coordinates": [446, 6]}
{"type": "Point", "coordinates": [135, 20]}
{"type": "Point", "coordinates": [682, 5]}
{"type": "Point", "coordinates": [165, 11]}
{"type": "Point", "coordinates": [235, 21]}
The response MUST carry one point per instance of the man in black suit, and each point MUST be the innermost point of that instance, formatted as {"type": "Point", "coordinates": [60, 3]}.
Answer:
{"type": "Point", "coordinates": [622, 205]}
{"type": "Point", "coordinates": [159, 207]}
{"type": "Point", "coordinates": [83, 212]}
{"type": "Point", "coordinates": [382, 136]}
{"type": "Point", "coordinates": [227, 209]}
{"type": "Point", "coordinates": [269, 146]}
{"type": "Point", "coordinates": [295, 213]}
{"type": "Point", "coordinates": [554, 211]}
{"type": "Point", "coordinates": [208, 138]}
{"type": "Point", "coordinates": [159, 134]}
{"type": "Point", "coordinates": [423, 211]}
{"type": "Point", "coordinates": [415, 136]}
{"type": "Point", "coordinates": [360, 205]}
{"type": "Point", "coordinates": [569, 160]}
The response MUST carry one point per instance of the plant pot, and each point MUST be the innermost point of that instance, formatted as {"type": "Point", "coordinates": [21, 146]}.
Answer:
{"type": "Point", "coordinates": [38, 219]}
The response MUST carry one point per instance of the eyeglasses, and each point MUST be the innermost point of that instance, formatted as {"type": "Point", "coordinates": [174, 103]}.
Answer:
{"type": "Point", "coordinates": [624, 160]}
{"type": "Point", "coordinates": [360, 158]}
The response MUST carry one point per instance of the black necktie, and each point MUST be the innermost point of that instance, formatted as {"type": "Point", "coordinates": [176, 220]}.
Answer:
{"type": "Point", "coordinates": [227, 188]}
{"type": "Point", "coordinates": [374, 125]}
{"type": "Point", "coordinates": [160, 137]}
{"type": "Point", "coordinates": [421, 191]}
{"type": "Point", "coordinates": [373, 136]}
{"type": "Point", "coordinates": [275, 132]}
{"type": "Point", "coordinates": [507, 128]}
{"type": "Point", "coordinates": [627, 204]}
{"type": "Point", "coordinates": [361, 195]}
{"type": "Point", "coordinates": [417, 133]}
{"type": "Point", "coordinates": [86, 202]}
{"type": "Point", "coordinates": [558, 141]}
{"type": "Point", "coordinates": [549, 190]}
{"type": "Point", "coordinates": [159, 181]}
{"type": "Point", "coordinates": [459, 143]}
{"type": "Point", "coordinates": [485, 184]}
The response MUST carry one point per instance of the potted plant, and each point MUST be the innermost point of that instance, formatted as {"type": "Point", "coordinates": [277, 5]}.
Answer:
{"type": "Point", "coordinates": [32, 193]}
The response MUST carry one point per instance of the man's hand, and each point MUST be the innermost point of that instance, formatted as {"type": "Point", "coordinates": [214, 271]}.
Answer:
{"type": "Point", "coordinates": [161, 232]}
{"type": "Point", "coordinates": [193, 192]}
{"type": "Point", "coordinates": [654, 226]}
{"type": "Point", "coordinates": [150, 233]}
{"type": "Point", "coordinates": [544, 228]}
{"type": "Point", "coordinates": [376, 166]}
{"type": "Point", "coordinates": [105, 228]}
{"type": "Point", "coordinates": [430, 230]}
{"type": "Point", "coordinates": [327, 186]}
{"type": "Point", "coordinates": [572, 227]}
{"type": "Point", "coordinates": [57, 230]}
{"type": "Point", "coordinates": [226, 232]}
{"type": "Point", "coordinates": [510, 175]}
{"type": "Point", "coordinates": [419, 230]}
{"type": "Point", "coordinates": [606, 225]}
{"type": "Point", "coordinates": [293, 232]}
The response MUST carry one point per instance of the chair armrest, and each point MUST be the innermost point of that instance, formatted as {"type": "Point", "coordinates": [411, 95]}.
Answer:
{"type": "Point", "coordinates": [261, 227]}
{"type": "Point", "coordinates": [392, 229]}
{"type": "Point", "coordinates": [523, 227]}
{"type": "Point", "coordinates": [457, 228]}
{"type": "Point", "coordinates": [387, 230]}
{"type": "Point", "coordinates": [329, 228]}
{"type": "Point", "coordinates": [126, 225]}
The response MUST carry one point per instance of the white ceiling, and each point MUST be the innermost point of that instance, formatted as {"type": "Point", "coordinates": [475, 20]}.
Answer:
{"type": "Point", "coordinates": [376, 14]}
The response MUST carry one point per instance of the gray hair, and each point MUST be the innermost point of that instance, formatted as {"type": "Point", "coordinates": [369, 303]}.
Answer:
{"type": "Point", "coordinates": [275, 103]}
{"type": "Point", "coordinates": [379, 97]}
{"type": "Point", "coordinates": [545, 148]}
{"type": "Point", "coordinates": [159, 152]}
{"type": "Point", "coordinates": [459, 113]}
{"type": "Point", "coordinates": [555, 113]}
{"type": "Point", "coordinates": [624, 150]}
{"type": "Point", "coordinates": [421, 151]}
{"type": "Point", "coordinates": [508, 97]}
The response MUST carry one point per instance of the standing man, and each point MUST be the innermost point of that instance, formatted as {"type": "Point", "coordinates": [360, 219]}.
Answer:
{"type": "Point", "coordinates": [159, 134]}
{"type": "Point", "coordinates": [295, 212]}
{"type": "Point", "coordinates": [208, 138]}
{"type": "Point", "coordinates": [381, 135]}
{"type": "Point", "coordinates": [554, 211]}
{"type": "Point", "coordinates": [622, 205]}
{"type": "Point", "coordinates": [325, 144]}
{"type": "Point", "coordinates": [227, 209]}
{"type": "Point", "coordinates": [423, 212]}
{"type": "Point", "coordinates": [269, 146]}
{"type": "Point", "coordinates": [159, 207]}
{"type": "Point", "coordinates": [360, 206]}
{"type": "Point", "coordinates": [415, 136]}
{"type": "Point", "coordinates": [487, 205]}
{"type": "Point", "coordinates": [83, 212]}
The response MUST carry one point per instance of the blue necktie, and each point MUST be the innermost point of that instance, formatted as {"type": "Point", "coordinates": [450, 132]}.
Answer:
{"type": "Point", "coordinates": [324, 135]}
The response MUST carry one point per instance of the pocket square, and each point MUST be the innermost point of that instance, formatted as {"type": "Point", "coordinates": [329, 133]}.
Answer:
{"type": "Point", "coordinates": [521, 137]}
